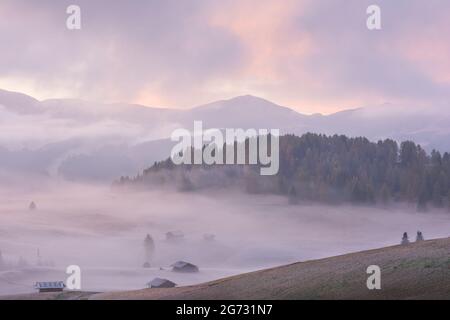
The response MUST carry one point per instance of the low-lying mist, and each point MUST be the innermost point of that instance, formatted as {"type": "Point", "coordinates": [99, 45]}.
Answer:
{"type": "Point", "coordinates": [103, 232]}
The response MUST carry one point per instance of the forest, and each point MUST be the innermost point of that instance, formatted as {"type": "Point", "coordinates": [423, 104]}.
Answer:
{"type": "Point", "coordinates": [326, 169]}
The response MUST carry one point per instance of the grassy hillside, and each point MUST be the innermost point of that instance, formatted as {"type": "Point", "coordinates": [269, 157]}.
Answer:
{"type": "Point", "coordinates": [415, 271]}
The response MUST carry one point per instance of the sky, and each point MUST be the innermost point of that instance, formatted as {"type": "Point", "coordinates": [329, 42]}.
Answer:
{"type": "Point", "coordinates": [316, 56]}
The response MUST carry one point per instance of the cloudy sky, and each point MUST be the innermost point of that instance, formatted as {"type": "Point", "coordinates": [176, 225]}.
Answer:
{"type": "Point", "coordinates": [311, 55]}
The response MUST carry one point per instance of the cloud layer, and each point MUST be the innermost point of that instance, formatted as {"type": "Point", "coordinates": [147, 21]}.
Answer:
{"type": "Point", "coordinates": [315, 55]}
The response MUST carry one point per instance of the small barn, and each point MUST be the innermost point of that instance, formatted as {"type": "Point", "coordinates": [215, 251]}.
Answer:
{"type": "Point", "coordinates": [174, 235]}
{"type": "Point", "coordinates": [209, 237]}
{"type": "Point", "coordinates": [186, 267]}
{"type": "Point", "coordinates": [55, 286]}
{"type": "Point", "coordinates": [161, 283]}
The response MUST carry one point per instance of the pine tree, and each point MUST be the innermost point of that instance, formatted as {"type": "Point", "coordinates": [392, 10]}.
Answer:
{"type": "Point", "coordinates": [186, 184]}
{"type": "Point", "coordinates": [384, 195]}
{"type": "Point", "coordinates": [2, 262]}
{"type": "Point", "coordinates": [32, 206]}
{"type": "Point", "coordinates": [422, 203]}
{"type": "Point", "coordinates": [251, 182]}
{"type": "Point", "coordinates": [448, 200]}
{"type": "Point", "coordinates": [149, 249]}
{"type": "Point", "coordinates": [437, 195]}
{"type": "Point", "coordinates": [293, 198]}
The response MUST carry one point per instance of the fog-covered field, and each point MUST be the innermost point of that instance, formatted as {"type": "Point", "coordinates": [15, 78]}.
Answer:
{"type": "Point", "coordinates": [103, 232]}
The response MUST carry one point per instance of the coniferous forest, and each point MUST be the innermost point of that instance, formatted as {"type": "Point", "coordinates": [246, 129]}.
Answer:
{"type": "Point", "coordinates": [325, 169]}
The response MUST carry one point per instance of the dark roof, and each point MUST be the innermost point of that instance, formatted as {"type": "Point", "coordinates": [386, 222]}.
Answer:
{"type": "Point", "coordinates": [50, 285]}
{"type": "Point", "coordinates": [176, 233]}
{"type": "Point", "coordinates": [182, 264]}
{"type": "Point", "coordinates": [158, 282]}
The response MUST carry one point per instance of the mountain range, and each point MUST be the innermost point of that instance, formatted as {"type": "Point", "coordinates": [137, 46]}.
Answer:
{"type": "Point", "coordinates": [82, 140]}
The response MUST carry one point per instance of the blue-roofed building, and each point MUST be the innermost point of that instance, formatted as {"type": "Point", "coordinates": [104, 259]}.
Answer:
{"type": "Point", "coordinates": [53, 286]}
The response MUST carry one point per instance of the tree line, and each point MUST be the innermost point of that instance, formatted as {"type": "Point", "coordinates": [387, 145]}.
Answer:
{"type": "Point", "coordinates": [331, 169]}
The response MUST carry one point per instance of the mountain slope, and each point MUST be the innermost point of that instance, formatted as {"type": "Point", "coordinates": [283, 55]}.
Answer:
{"type": "Point", "coordinates": [18, 102]}
{"type": "Point", "coordinates": [415, 271]}
{"type": "Point", "coordinates": [100, 128]}
{"type": "Point", "coordinates": [245, 112]}
{"type": "Point", "coordinates": [427, 126]}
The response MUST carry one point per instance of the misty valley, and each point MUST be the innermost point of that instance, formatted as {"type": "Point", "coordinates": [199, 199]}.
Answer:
{"type": "Point", "coordinates": [223, 233]}
{"type": "Point", "coordinates": [93, 186]}
{"type": "Point", "coordinates": [224, 150]}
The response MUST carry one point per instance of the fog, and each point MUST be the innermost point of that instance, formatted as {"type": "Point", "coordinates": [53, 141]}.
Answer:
{"type": "Point", "coordinates": [102, 231]}
{"type": "Point", "coordinates": [88, 141]}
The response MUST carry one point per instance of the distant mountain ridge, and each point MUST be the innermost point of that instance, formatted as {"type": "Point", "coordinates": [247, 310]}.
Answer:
{"type": "Point", "coordinates": [103, 130]}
